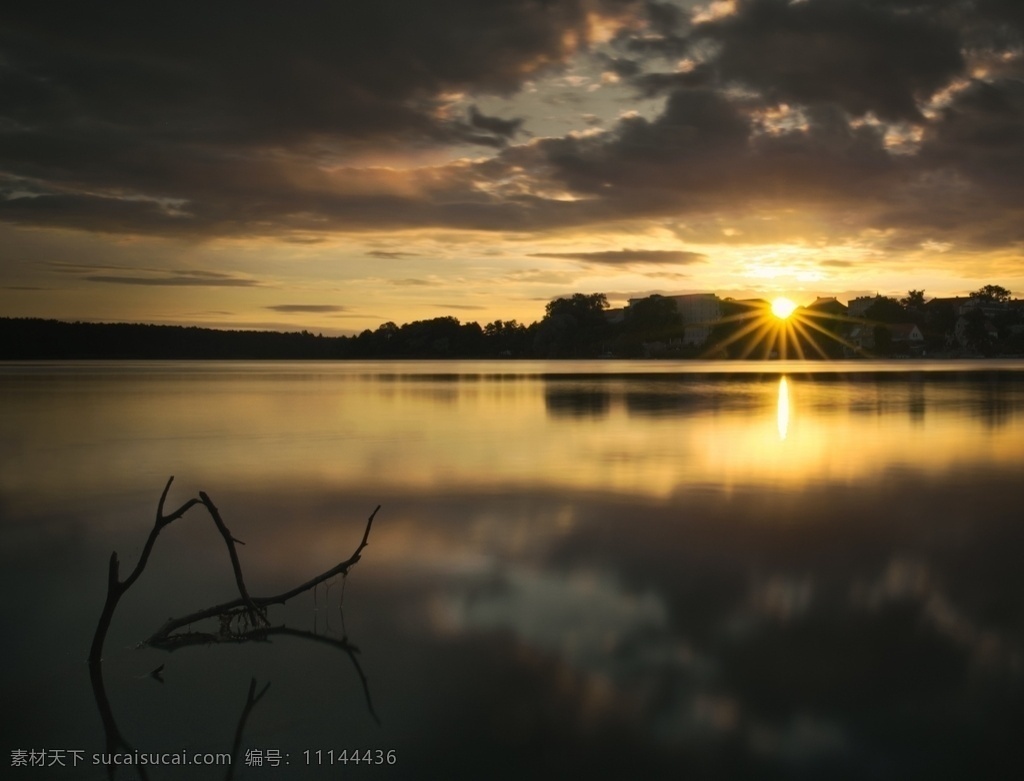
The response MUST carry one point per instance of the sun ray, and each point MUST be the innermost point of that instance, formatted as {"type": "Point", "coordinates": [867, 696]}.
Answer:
{"type": "Point", "coordinates": [836, 337]}
{"type": "Point", "coordinates": [796, 342]}
{"type": "Point", "coordinates": [773, 330]}
{"type": "Point", "coordinates": [735, 337]}
{"type": "Point", "coordinates": [764, 329]}
{"type": "Point", "coordinates": [801, 327]}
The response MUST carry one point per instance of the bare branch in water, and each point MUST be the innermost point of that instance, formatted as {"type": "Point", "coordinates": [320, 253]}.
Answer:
{"type": "Point", "coordinates": [241, 620]}
{"type": "Point", "coordinates": [163, 636]}
{"type": "Point", "coordinates": [254, 608]}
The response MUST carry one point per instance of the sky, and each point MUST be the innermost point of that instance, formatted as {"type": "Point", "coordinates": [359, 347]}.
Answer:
{"type": "Point", "coordinates": [332, 166]}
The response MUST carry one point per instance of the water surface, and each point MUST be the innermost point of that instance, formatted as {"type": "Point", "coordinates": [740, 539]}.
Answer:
{"type": "Point", "coordinates": [601, 569]}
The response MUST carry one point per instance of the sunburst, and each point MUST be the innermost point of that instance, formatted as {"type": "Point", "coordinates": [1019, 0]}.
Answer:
{"type": "Point", "coordinates": [778, 329]}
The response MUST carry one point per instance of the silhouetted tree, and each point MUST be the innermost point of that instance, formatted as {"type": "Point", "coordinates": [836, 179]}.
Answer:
{"type": "Point", "coordinates": [653, 316]}
{"type": "Point", "coordinates": [506, 339]}
{"type": "Point", "coordinates": [976, 331]}
{"type": "Point", "coordinates": [573, 327]}
{"type": "Point", "coordinates": [887, 310]}
{"type": "Point", "coordinates": [913, 300]}
{"type": "Point", "coordinates": [996, 293]}
{"type": "Point", "coordinates": [587, 309]}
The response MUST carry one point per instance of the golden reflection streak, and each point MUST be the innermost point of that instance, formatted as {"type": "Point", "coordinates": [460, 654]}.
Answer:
{"type": "Point", "coordinates": [782, 414]}
{"type": "Point", "coordinates": [350, 431]}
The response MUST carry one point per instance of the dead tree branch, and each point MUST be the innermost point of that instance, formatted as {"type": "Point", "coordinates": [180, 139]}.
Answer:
{"type": "Point", "coordinates": [164, 637]}
{"type": "Point", "coordinates": [249, 611]}
{"type": "Point", "coordinates": [264, 634]}
{"type": "Point", "coordinates": [254, 607]}
{"type": "Point", "coordinates": [236, 745]}
{"type": "Point", "coordinates": [116, 587]}
{"type": "Point", "coordinates": [255, 614]}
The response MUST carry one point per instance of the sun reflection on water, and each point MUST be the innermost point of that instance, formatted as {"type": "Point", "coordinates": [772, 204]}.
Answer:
{"type": "Point", "coordinates": [641, 435]}
{"type": "Point", "coordinates": [782, 414]}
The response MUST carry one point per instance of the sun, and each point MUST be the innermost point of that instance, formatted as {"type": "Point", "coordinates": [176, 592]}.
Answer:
{"type": "Point", "coordinates": [779, 329]}
{"type": "Point", "coordinates": [782, 308]}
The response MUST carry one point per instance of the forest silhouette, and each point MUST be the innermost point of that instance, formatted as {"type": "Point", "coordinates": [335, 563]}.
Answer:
{"type": "Point", "coordinates": [577, 326]}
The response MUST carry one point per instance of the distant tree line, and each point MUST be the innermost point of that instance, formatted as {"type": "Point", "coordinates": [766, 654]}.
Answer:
{"type": "Point", "coordinates": [992, 325]}
{"type": "Point", "coordinates": [24, 339]}
{"type": "Point", "coordinates": [577, 326]}
{"type": "Point", "coordinates": [572, 327]}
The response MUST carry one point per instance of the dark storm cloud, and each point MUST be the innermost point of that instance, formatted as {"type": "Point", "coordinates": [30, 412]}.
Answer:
{"type": "Point", "coordinates": [130, 275]}
{"type": "Point", "coordinates": [698, 138]}
{"type": "Point", "coordinates": [651, 84]}
{"type": "Point", "coordinates": [1008, 11]}
{"type": "Point", "coordinates": [665, 18]}
{"type": "Point", "coordinates": [981, 133]}
{"type": "Point", "coordinates": [222, 120]}
{"type": "Point", "coordinates": [208, 102]}
{"type": "Point", "coordinates": [873, 56]}
{"type": "Point", "coordinates": [95, 213]}
{"type": "Point", "coordinates": [304, 308]}
{"type": "Point", "coordinates": [623, 257]}
{"type": "Point", "coordinates": [620, 66]}
{"type": "Point", "coordinates": [502, 128]}
{"type": "Point", "coordinates": [260, 71]}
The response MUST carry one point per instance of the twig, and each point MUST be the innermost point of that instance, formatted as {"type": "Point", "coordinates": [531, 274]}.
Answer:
{"type": "Point", "coordinates": [254, 609]}
{"type": "Point", "coordinates": [250, 702]}
{"type": "Point", "coordinates": [115, 587]}
{"type": "Point", "coordinates": [255, 614]}
{"type": "Point", "coordinates": [162, 634]}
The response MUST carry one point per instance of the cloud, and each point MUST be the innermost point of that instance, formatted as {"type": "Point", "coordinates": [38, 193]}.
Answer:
{"type": "Point", "coordinates": [195, 121]}
{"type": "Point", "coordinates": [263, 125]}
{"type": "Point", "coordinates": [503, 128]}
{"type": "Point", "coordinates": [380, 253]}
{"type": "Point", "coordinates": [864, 56]}
{"type": "Point", "coordinates": [410, 282]}
{"type": "Point", "coordinates": [173, 281]}
{"type": "Point", "coordinates": [653, 84]}
{"type": "Point", "coordinates": [308, 308]}
{"type": "Point", "coordinates": [129, 275]}
{"type": "Point", "coordinates": [352, 69]}
{"type": "Point", "coordinates": [621, 257]}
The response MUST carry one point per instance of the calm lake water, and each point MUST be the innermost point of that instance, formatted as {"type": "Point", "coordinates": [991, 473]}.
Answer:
{"type": "Point", "coordinates": [595, 570]}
